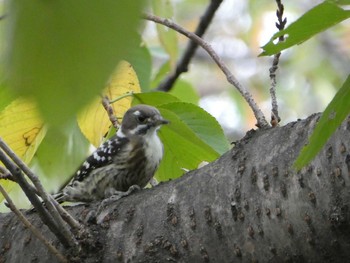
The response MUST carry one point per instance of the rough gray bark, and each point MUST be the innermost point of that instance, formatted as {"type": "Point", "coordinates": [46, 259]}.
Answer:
{"type": "Point", "coordinates": [248, 206]}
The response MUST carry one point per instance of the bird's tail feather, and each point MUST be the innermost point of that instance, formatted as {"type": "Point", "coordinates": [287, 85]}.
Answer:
{"type": "Point", "coordinates": [59, 197]}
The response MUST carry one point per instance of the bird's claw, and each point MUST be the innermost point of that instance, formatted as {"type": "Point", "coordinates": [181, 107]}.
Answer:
{"type": "Point", "coordinates": [113, 196]}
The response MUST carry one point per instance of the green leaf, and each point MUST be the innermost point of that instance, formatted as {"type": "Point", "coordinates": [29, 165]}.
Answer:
{"type": "Point", "coordinates": [190, 128]}
{"type": "Point", "coordinates": [140, 59]}
{"type": "Point", "coordinates": [5, 96]}
{"type": "Point", "coordinates": [153, 98]}
{"type": "Point", "coordinates": [163, 70]}
{"type": "Point", "coordinates": [182, 147]}
{"type": "Point", "coordinates": [62, 52]}
{"type": "Point", "coordinates": [167, 36]}
{"type": "Point", "coordinates": [185, 92]}
{"type": "Point", "coordinates": [68, 147]}
{"type": "Point", "coordinates": [201, 123]}
{"type": "Point", "coordinates": [316, 20]}
{"type": "Point", "coordinates": [331, 119]}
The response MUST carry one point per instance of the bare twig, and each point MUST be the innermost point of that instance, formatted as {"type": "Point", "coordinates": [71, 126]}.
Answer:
{"type": "Point", "coordinates": [66, 216]}
{"type": "Point", "coordinates": [19, 178]}
{"type": "Point", "coordinates": [5, 174]}
{"type": "Point", "coordinates": [184, 61]}
{"type": "Point", "coordinates": [261, 121]}
{"type": "Point", "coordinates": [275, 119]}
{"type": "Point", "coordinates": [53, 220]}
{"type": "Point", "coordinates": [69, 238]}
{"type": "Point", "coordinates": [32, 228]}
{"type": "Point", "coordinates": [109, 109]}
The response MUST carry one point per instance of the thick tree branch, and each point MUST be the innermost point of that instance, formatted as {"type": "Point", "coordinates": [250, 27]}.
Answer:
{"type": "Point", "coordinates": [184, 61]}
{"type": "Point", "coordinates": [250, 205]}
{"type": "Point", "coordinates": [261, 121]}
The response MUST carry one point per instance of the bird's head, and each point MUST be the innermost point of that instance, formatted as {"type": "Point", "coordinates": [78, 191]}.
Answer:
{"type": "Point", "coordinates": [141, 120]}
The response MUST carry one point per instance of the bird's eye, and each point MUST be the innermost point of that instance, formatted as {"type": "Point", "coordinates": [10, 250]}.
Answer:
{"type": "Point", "coordinates": [141, 119]}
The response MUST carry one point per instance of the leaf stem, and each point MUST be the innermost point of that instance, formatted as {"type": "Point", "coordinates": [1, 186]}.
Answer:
{"type": "Point", "coordinates": [131, 93]}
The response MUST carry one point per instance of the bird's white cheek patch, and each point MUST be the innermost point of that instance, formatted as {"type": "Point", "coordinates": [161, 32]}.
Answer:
{"type": "Point", "coordinates": [120, 133]}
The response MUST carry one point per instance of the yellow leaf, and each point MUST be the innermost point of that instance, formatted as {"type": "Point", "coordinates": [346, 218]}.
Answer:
{"type": "Point", "coordinates": [22, 128]}
{"type": "Point", "coordinates": [93, 120]}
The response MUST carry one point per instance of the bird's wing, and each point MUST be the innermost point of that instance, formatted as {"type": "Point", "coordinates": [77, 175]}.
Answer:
{"type": "Point", "coordinates": [102, 156]}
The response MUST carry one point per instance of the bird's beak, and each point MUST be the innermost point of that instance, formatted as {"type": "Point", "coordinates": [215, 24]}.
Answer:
{"type": "Point", "coordinates": [161, 121]}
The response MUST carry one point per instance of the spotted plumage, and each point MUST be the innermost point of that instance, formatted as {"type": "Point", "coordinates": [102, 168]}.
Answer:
{"type": "Point", "coordinates": [129, 158]}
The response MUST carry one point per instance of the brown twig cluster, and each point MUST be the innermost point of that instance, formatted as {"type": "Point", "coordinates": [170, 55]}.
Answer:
{"type": "Point", "coordinates": [34, 230]}
{"type": "Point", "coordinates": [61, 224]}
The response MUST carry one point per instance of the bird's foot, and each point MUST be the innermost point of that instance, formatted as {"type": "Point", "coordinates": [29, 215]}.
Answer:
{"type": "Point", "coordinates": [112, 196]}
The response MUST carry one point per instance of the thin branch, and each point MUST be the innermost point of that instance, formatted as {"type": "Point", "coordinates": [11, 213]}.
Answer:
{"type": "Point", "coordinates": [109, 109]}
{"type": "Point", "coordinates": [5, 174]}
{"type": "Point", "coordinates": [66, 216]}
{"type": "Point", "coordinates": [55, 223]}
{"type": "Point", "coordinates": [57, 212]}
{"type": "Point", "coordinates": [261, 121]}
{"type": "Point", "coordinates": [32, 228]}
{"type": "Point", "coordinates": [275, 119]}
{"type": "Point", "coordinates": [184, 61]}
{"type": "Point", "coordinates": [39, 188]}
{"type": "Point", "coordinates": [19, 178]}
{"type": "Point", "coordinates": [59, 215]}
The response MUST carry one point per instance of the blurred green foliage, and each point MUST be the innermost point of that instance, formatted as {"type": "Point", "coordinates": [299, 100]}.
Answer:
{"type": "Point", "coordinates": [306, 27]}
{"type": "Point", "coordinates": [62, 52]}
{"type": "Point", "coordinates": [335, 113]}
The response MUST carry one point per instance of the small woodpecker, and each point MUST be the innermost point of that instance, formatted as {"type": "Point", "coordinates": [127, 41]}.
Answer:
{"type": "Point", "coordinates": [126, 161]}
